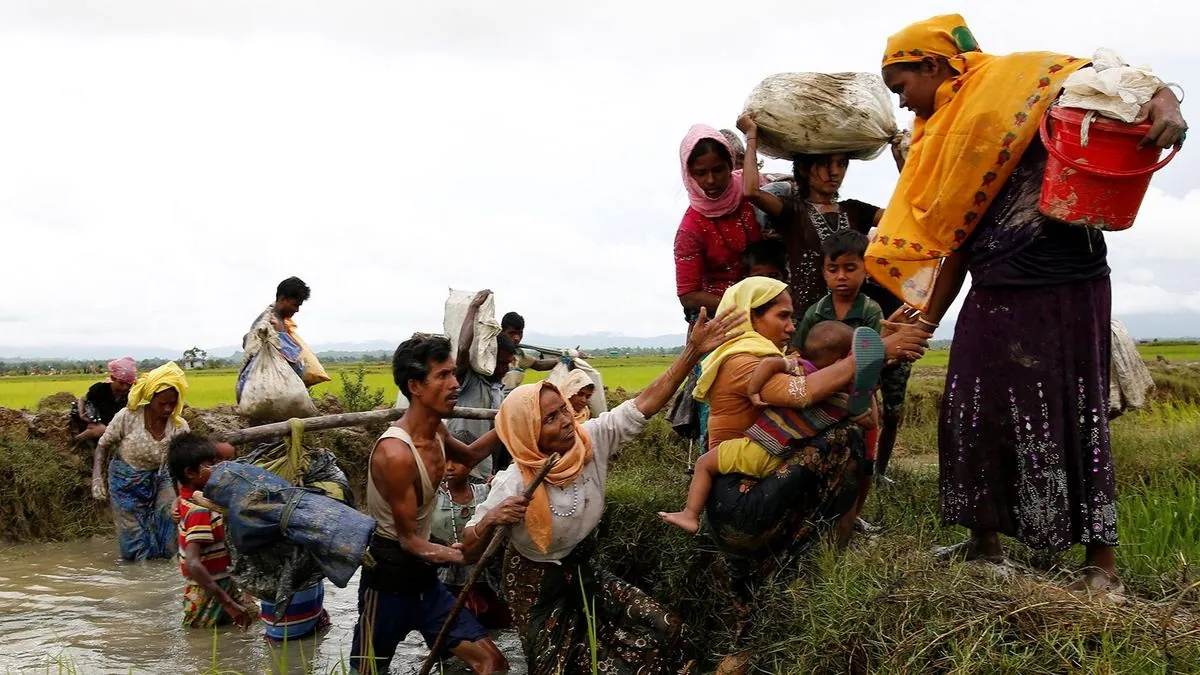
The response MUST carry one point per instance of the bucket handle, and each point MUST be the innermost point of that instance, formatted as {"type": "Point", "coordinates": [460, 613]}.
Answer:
{"type": "Point", "coordinates": [1058, 154]}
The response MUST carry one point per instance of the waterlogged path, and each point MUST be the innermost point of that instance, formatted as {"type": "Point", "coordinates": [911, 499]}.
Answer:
{"type": "Point", "coordinates": [77, 606]}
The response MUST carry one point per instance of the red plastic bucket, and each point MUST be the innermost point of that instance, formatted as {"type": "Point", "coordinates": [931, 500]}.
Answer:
{"type": "Point", "coordinates": [1100, 184]}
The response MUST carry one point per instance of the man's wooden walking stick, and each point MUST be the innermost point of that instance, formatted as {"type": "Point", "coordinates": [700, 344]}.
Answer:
{"type": "Point", "coordinates": [493, 546]}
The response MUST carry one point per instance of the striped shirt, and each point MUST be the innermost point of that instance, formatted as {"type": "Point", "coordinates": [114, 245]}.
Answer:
{"type": "Point", "coordinates": [198, 525]}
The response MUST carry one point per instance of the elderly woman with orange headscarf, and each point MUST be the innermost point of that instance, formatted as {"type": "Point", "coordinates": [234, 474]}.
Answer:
{"type": "Point", "coordinates": [1023, 440]}
{"type": "Point", "coordinates": [141, 491]}
{"type": "Point", "coordinates": [548, 567]}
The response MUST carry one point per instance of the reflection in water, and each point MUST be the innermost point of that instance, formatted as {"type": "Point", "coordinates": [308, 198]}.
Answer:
{"type": "Point", "coordinates": [78, 602]}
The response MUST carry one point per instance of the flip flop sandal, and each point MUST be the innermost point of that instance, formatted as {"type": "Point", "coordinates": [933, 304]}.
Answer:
{"type": "Point", "coordinates": [868, 365]}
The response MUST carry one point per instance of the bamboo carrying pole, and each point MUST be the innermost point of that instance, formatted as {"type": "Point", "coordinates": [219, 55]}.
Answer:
{"type": "Point", "coordinates": [492, 547]}
{"type": "Point", "coordinates": [279, 429]}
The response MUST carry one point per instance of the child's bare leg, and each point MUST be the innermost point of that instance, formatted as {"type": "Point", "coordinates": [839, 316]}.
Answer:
{"type": "Point", "coordinates": [688, 519]}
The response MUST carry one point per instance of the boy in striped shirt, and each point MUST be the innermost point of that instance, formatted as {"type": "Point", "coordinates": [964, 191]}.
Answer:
{"type": "Point", "coordinates": [210, 596]}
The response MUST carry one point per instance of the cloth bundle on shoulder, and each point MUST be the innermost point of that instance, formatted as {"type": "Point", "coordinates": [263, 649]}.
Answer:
{"type": "Point", "coordinates": [822, 114]}
{"type": "Point", "coordinates": [483, 347]}
{"type": "Point", "coordinates": [1130, 381]}
{"type": "Point", "coordinates": [282, 537]}
{"type": "Point", "coordinates": [273, 391]}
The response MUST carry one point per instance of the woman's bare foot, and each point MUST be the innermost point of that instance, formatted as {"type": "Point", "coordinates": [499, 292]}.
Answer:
{"type": "Point", "coordinates": [1096, 581]}
{"type": "Point", "coordinates": [685, 520]}
{"type": "Point", "coordinates": [980, 546]}
{"type": "Point", "coordinates": [734, 664]}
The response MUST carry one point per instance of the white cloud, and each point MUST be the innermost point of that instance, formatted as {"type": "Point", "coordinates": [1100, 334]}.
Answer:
{"type": "Point", "coordinates": [165, 164]}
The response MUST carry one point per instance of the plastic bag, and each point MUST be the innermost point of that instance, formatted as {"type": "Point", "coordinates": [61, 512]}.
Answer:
{"type": "Point", "coordinates": [1111, 87]}
{"type": "Point", "coordinates": [314, 372]}
{"type": "Point", "coordinates": [599, 402]}
{"type": "Point", "coordinates": [823, 113]}
{"type": "Point", "coordinates": [483, 347]}
{"type": "Point", "coordinates": [273, 391]}
{"type": "Point", "coordinates": [1130, 381]}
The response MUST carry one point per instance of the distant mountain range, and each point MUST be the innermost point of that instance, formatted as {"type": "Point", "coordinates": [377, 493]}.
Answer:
{"type": "Point", "coordinates": [592, 341]}
{"type": "Point", "coordinates": [1183, 325]}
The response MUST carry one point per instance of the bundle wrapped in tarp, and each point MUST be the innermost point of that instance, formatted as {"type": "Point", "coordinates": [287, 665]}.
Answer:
{"type": "Point", "coordinates": [1130, 382]}
{"type": "Point", "coordinates": [284, 537]}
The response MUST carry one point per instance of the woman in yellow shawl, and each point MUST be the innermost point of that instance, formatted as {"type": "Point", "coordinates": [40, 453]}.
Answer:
{"type": "Point", "coordinates": [140, 489]}
{"type": "Point", "coordinates": [760, 524]}
{"type": "Point", "coordinates": [548, 567]}
{"type": "Point", "coordinates": [1023, 440]}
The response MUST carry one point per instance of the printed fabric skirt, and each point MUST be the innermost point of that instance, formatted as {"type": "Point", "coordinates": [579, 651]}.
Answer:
{"type": "Point", "coordinates": [1023, 442]}
{"type": "Point", "coordinates": [634, 634]}
{"type": "Point", "coordinates": [202, 610]}
{"type": "Point", "coordinates": [305, 615]}
{"type": "Point", "coordinates": [141, 505]}
{"type": "Point", "coordinates": [761, 524]}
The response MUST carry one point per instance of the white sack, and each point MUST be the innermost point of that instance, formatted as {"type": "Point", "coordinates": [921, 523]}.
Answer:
{"type": "Point", "coordinates": [483, 347]}
{"type": "Point", "coordinates": [1130, 381]}
{"type": "Point", "coordinates": [273, 391]}
{"type": "Point", "coordinates": [823, 113]}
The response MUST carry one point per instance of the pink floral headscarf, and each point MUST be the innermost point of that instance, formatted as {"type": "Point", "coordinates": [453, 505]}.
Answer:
{"type": "Point", "coordinates": [123, 370]}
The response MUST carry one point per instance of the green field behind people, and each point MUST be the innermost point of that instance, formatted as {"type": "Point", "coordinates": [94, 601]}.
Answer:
{"type": "Point", "coordinates": [208, 388]}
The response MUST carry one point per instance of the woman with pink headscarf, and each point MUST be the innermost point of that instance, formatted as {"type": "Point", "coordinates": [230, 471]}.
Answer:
{"type": "Point", "coordinates": [717, 226]}
{"type": "Point", "coordinates": [104, 399]}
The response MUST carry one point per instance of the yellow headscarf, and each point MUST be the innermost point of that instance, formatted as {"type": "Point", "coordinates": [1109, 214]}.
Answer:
{"type": "Point", "coordinates": [519, 424]}
{"type": "Point", "coordinates": [575, 381]}
{"type": "Point", "coordinates": [162, 378]}
{"type": "Point", "coordinates": [745, 295]}
{"type": "Point", "coordinates": [984, 119]}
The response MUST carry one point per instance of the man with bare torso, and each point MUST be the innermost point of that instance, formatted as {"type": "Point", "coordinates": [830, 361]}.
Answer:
{"type": "Point", "coordinates": [401, 592]}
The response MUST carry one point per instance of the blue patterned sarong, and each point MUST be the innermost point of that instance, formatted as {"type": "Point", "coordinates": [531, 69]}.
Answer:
{"type": "Point", "coordinates": [141, 505]}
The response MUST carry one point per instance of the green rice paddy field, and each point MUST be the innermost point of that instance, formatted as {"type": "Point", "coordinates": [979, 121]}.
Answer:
{"type": "Point", "coordinates": [215, 387]}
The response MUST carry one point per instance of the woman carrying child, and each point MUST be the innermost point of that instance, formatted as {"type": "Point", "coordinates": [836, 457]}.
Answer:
{"type": "Point", "coordinates": [804, 220]}
{"type": "Point", "coordinates": [760, 523]}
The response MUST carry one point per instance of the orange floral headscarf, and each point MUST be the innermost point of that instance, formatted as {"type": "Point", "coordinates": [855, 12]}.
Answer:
{"type": "Point", "coordinates": [985, 117]}
{"type": "Point", "coordinates": [519, 424]}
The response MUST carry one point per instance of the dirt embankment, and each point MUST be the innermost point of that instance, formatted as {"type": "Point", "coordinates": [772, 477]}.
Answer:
{"type": "Point", "coordinates": [45, 475]}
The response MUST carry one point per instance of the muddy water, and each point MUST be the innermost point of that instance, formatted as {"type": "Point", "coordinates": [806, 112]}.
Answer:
{"type": "Point", "coordinates": [77, 604]}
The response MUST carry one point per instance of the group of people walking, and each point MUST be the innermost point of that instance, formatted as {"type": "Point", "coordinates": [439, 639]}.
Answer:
{"type": "Point", "coordinates": [1023, 434]}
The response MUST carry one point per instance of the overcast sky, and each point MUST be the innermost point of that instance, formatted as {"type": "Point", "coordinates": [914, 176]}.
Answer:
{"type": "Point", "coordinates": [164, 164]}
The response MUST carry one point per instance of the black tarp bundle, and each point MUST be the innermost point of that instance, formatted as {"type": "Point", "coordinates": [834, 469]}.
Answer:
{"type": "Point", "coordinates": [284, 537]}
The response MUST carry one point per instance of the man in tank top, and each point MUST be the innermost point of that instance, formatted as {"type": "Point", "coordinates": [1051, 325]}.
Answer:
{"type": "Point", "coordinates": [401, 592]}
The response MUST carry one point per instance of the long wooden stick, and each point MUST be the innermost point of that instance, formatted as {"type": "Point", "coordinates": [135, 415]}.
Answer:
{"type": "Point", "coordinates": [279, 429]}
{"type": "Point", "coordinates": [493, 546]}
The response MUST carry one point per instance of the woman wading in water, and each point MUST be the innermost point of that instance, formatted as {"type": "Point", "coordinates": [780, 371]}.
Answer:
{"type": "Point", "coordinates": [1023, 439]}
{"type": "Point", "coordinates": [549, 569]}
{"type": "Point", "coordinates": [141, 491]}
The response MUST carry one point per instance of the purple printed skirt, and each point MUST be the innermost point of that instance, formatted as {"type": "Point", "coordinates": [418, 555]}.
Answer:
{"type": "Point", "coordinates": [1023, 441]}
